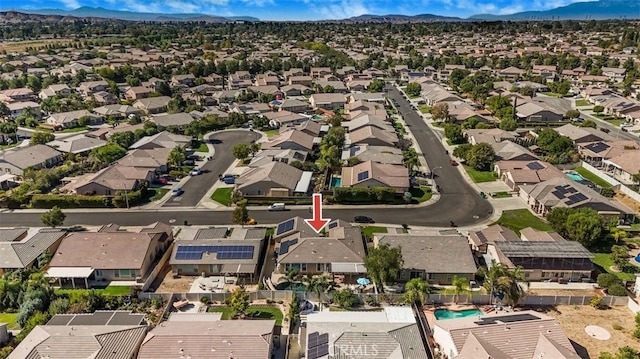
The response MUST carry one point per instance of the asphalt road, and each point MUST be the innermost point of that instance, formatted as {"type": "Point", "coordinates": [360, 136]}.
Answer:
{"type": "Point", "coordinates": [458, 203]}
{"type": "Point", "coordinates": [614, 130]}
{"type": "Point", "coordinates": [197, 186]}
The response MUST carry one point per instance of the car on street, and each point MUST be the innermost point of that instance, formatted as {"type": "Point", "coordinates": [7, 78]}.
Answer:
{"type": "Point", "coordinates": [176, 192]}
{"type": "Point", "coordinates": [250, 222]}
{"type": "Point", "coordinates": [196, 172]}
{"type": "Point", "coordinates": [363, 219]}
{"type": "Point", "coordinates": [453, 163]}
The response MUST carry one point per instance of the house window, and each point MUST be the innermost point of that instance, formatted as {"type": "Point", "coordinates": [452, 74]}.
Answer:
{"type": "Point", "coordinates": [303, 267]}
{"type": "Point", "coordinates": [98, 273]}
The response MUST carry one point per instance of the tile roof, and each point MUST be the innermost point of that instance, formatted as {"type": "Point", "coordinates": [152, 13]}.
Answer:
{"type": "Point", "coordinates": [282, 174]}
{"type": "Point", "coordinates": [76, 144]}
{"type": "Point", "coordinates": [25, 157]}
{"type": "Point", "coordinates": [15, 255]}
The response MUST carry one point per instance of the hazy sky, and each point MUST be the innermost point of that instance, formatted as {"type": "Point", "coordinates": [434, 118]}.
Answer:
{"type": "Point", "coordinates": [300, 9]}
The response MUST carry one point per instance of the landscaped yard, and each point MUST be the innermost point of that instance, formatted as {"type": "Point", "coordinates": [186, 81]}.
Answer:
{"type": "Point", "coordinates": [158, 193]}
{"type": "Point", "coordinates": [553, 94]}
{"type": "Point", "coordinates": [616, 122]}
{"type": "Point", "coordinates": [369, 231]}
{"type": "Point", "coordinates": [222, 195]}
{"type": "Point", "coordinates": [271, 133]}
{"type": "Point", "coordinates": [261, 312]}
{"type": "Point", "coordinates": [202, 148]}
{"type": "Point", "coordinates": [604, 260]}
{"type": "Point", "coordinates": [10, 319]}
{"type": "Point", "coordinates": [421, 194]}
{"type": "Point", "coordinates": [75, 129]}
{"type": "Point", "coordinates": [501, 195]}
{"type": "Point", "coordinates": [112, 290]}
{"type": "Point", "coordinates": [582, 103]}
{"type": "Point", "coordinates": [424, 109]}
{"type": "Point", "coordinates": [6, 147]}
{"type": "Point", "coordinates": [480, 176]}
{"type": "Point", "coordinates": [592, 177]}
{"type": "Point", "coordinates": [518, 219]}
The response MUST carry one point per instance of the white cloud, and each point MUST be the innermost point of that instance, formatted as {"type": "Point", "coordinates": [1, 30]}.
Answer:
{"type": "Point", "coordinates": [182, 6]}
{"type": "Point", "coordinates": [144, 7]}
{"type": "Point", "coordinates": [342, 10]}
{"type": "Point", "coordinates": [71, 4]}
{"type": "Point", "coordinates": [258, 3]}
{"type": "Point", "coordinates": [216, 2]}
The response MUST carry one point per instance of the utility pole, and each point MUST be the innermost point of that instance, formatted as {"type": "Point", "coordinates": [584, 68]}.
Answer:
{"type": "Point", "coordinates": [126, 195]}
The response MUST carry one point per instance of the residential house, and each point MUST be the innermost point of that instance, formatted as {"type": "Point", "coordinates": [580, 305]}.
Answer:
{"type": "Point", "coordinates": [200, 337]}
{"type": "Point", "coordinates": [84, 259]}
{"type": "Point", "coordinates": [296, 90]}
{"type": "Point", "coordinates": [292, 139]}
{"type": "Point", "coordinates": [162, 139]}
{"type": "Point", "coordinates": [21, 247]}
{"type": "Point", "coordinates": [153, 105]}
{"type": "Point", "coordinates": [511, 151]}
{"type": "Point", "coordinates": [210, 251]}
{"type": "Point", "coordinates": [546, 259]}
{"type": "Point", "coordinates": [292, 105]}
{"type": "Point", "coordinates": [137, 93]}
{"type": "Point", "coordinates": [374, 174]}
{"type": "Point", "coordinates": [78, 144]}
{"type": "Point", "coordinates": [105, 132]}
{"type": "Point", "coordinates": [299, 247]}
{"type": "Point", "coordinates": [390, 333]}
{"type": "Point", "coordinates": [284, 118]}
{"type": "Point", "coordinates": [90, 87]}
{"type": "Point", "coordinates": [583, 134]}
{"type": "Point", "coordinates": [285, 156]}
{"type": "Point", "coordinates": [511, 73]}
{"type": "Point", "coordinates": [614, 74]}
{"type": "Point", "coordinates": [381, 154]}
{"type": "Point", "coordinates": [17, 160]}
{"type": "Point", "coordinates": [118, 111]}
{"type": "Point", "coordinates": [254, 108]}
{"type": "Point", "coordinates": [16, 95]}
{"type": "Point", "coordinates": [86, 336]}
{"type": "Point", "coordinates": [153, 160]}
{"type": "Point", "coordinates": [268, 81]}
{"type": "Point", "coordinates": [366, 120]}
{"type": "Point", "coordinates": [533, 235]}
{"type": "Point", "coordinates": [490, 136]}
{"type": "Point", "coordinates": [105, 98]}
{"type": "Point", "coordinates": [596, 152]}
{"type": "Point", "coordinates": [481, 240]}
{"type": "Point", "coordinates": [526, 335]}
{"type": "Point", "coordinates": [60, 90]}
{"type": "Point", "coordinates": [317, 72]}
{"type": "Point", "coordinates": [18, 108]}
{"type": "Point", "coordinates": [624, 166]}
{"type": "Point", "coordinates": [110, 180]}
{"type": "Point", "coordinates": [535, 112]}
{"type": "Point", "coordinates": [517, 173]}
{"type": "Point", "coordinates": [433, 93]}
{"type": "Point", "coordinates": [274, 179]}
{"type": "Point", "coordinates": [70, 119]}
{"type": "Point", "coordinates": [312, 128]}
{"type": "Point", "coordinates": [184, 80]}
{"type": "Point", "coordinates": [434, 258]}
{"type": "Point", "coordinates": [300, 80]}
{"type": "Point", "coordinates": [327, 101]}
{"type": "Point", "coordinates": [337, 86]}
{"type": "Point", "coordinates": [373, 136]}
{"type": "Point", "coordinates": [180, 120]}
{"type": "Point", "coordinates": [563, 192]}
{"type": "Point", "coordinates": [239, 80]}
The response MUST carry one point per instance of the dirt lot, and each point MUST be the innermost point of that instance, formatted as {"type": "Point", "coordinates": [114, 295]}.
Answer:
{"type": "Point", "coordinates": [573, 292]}
{"type": "Point", "coordinates": [19, 46]}
{"type": "Point", "coordinates": [574, 319]}
{"type": "Point", "coordinates": [628, 201]}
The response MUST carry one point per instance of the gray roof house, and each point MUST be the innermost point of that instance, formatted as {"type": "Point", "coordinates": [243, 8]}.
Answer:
{"type": "Point", "coordinates": [292, 139]}
{"type": "Point", "coordinates": [435, 258]}
{"type": "Point", "coordinates": [511, 151]}
{"type": "Point", "coordinates": [21, 247]}
{"type": "Point", "coordinates": [390, 333]}
{"type": "Point", "coordinates": [37, 156]}
{"type": "Point", "coordinates": [176, 119]}
{"type": "Point", "coordinates": [77, 144]}
{"type": "Point", "coordinates": [153, 104]}
{"type": "Point", "coordinates": [272, 179]}
{"type": "Point", "coordinates": [381, 154]}
{"type": "Point", "coordinates": [162, 139]}
{"type": "Point", "coordinates": [284, 156]}
{"type": "Point", "coordinates": [70, 119]}
{"type": "Point", "coordinates": [583, 134]}
{"type": "Point", "coordinates": [209, 339]}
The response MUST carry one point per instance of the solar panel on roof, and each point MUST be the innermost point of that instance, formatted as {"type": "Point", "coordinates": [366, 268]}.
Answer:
{"type": "Point", "coordinates": [597, 147]}
{"type": "Point", "coordinates": [333, 225]}
{"type": "Point", "coordinates": [323, 338]}
{"type": "Point", "coordinates": [561, 189]}
{"type": "Point", "coordinates": [363, 175]}
{"type": "Point", "coordinates": [558, 194]}
{"type": "Point", "coordinates": [284, 246]}
{"type": "Point", "coordinates": [578, 197]}
{"type": "Point", "coordinates": [285, 227]}
{"type": "Point", "coordinates": [322, 350]}
{"type": "Point", "coordinates": [535, 166]}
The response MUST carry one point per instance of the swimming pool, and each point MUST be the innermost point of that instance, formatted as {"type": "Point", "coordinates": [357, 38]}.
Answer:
{"type": "Point", "coordinates": [575, 176]}
{"type": "Point", "coordinates": [452, 314]}
{"type": "Point", "coordinates": [336, 181]}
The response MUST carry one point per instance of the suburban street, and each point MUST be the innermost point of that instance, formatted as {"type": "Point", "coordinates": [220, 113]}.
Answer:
{"type": "Point", "coordinates": [458, 203]}
{"type": "Point", "coordinates": [197, 186]}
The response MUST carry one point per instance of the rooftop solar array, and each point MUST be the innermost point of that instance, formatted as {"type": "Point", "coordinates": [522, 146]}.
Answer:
{"type": "Point", "coordinates": [597, 147]}
{"type": "Point", "coordinates": [189, 252]}
{"type": "Point", "coordinates": [507, 319]}
{"type": "Point", "coordinates": [363, 175]}
{"type": "Point", "coordinates": [333, 224]}
{"type": "Point", "coordinates": [535, 166]}
{"type": "Point", "coordinates": [576, 198]}
{"type": "Point", "coordinates": [318, 345]}
{"type": "Point", "coordinates": [284, 246]}
{"type": "Point", "coordinates": [285, 227]}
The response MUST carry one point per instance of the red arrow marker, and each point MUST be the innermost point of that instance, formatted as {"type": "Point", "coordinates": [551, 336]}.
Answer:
{"type": "Point", "coordinates": [317, 222]}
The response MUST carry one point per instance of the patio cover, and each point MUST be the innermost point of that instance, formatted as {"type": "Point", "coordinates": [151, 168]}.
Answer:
{"type": "Point", "coordinates": [303, 184]}
{"type": "Point", "coordinates": [69, 272]}
{"type": "Point", "coordinates": [348, 268]}
{"type": "Point", "coordinates": [239, 268]}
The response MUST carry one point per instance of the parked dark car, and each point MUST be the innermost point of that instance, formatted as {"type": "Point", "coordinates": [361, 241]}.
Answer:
{"type": "Point", "coordinates": [189, 163]}
{"type": "Point", "coordinates": [363, 219]}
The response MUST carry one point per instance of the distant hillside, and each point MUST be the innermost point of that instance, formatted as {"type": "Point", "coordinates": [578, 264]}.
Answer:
{"type": "Point", "coordinates": [593, 10]}
{"type": "Point", "coordinates": [398, 18]}
{"type": "Point", "coordinates": [99, 12]}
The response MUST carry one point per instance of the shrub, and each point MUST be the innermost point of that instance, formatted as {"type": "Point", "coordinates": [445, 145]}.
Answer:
{"type": "Point", "coordinates": [59, 306]}
{"type": "Point", "coordinates": [205, 300]}
{"type": "Point", "coordinates": [617, 290]}
{"type": "Point", "coordinates": [363, 195]}
{"type": "Point", "coordinates": [280, 302]}
{"type": "Point", "coordinates": [596, 302]}
{"type": "Point", "coordinates": [68, 201]}
{"type": "Point", "coordinates": [616, 326]}
{"type": "Point", "coordinates": [605, 280]}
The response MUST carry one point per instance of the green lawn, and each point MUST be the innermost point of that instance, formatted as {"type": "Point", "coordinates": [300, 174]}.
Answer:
{"type": "Point", "coordinates": [502, 195]}
{"type": "Point", "coordinates": [553, 94]}
{"type": "Point", "coordinates": [480, 176]}
{"type": "Point", "coordinates": [75, 129]}
{"type": "Point", "coordinates": [518, 219]}
{"type": "Point", "coordinates": [369, 231]}
{"type": "Point", "coordinates": [158, 193]}
{"type": "Point", "coordinates": [592, 177]}
{"type": "Point", "coordinates": [202, 148]}
{"type": "Point", "coordinates": [10, 319]}
{"type": "Point", "coordinates": [261, 312]}
{"type": "Point", "coordinates": [582, 103]}
{"type": "Point", "coordinates": [271, 133]}
{"type": "Point", "coordinates": [116, 290]}
{"type": "Point", "coordinates": [398, 126]}
{"type": "Point", "coordinates": [616, 122]}
{"type": "Point", "coordinates": [222, 195]}
{"type": "Point", "coordinates": [424, 109]}
{"type": "Point", "coordinates": [604, 261]}
{"type": "Point", "coordinates": [421, 194]}
{"type": "Point", "coordinates": [6, 147]}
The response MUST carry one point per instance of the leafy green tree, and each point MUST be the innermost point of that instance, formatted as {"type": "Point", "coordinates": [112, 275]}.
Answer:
{"type": "Point", "coordinates": [606, 280]}
{"type": "Point", "coordinates": [345, 298]}
{"type": "Point", "coordinates": [319, 284]}
{"type": "Point", "coordinates": [588, 123]}
{"type": "Point", "coordinates": [481, 156]}
{"type": "Point", "coordinates": [109, 153]}
{"type": "Point", "coordinates": [239, 301]}
{"type": "Point", "coordinates": [598, 109]}
{"type": "Point", "coordinates": [41, 137]}
{"type": "Point", "coordinates": [294, 310]}
{"type": "Point", "coordinates": [620, 256]}
{"type": "Point", "coordinates": [123, 139]}
{"type": "Point", "coordinates": [241, 151]}
{"type": "Point", "coordinates": [4, 110]}
{"type": "Point", "coordinates": [499, 279]}
{"type": "Point", "coordinates": [625, 352]}
{"type": "Point", "coordinates": [413, 89]}
{"type": "Point", "coordinates": [84, 121]}
{"type": "Point", "coordinates": [572, 114]}
{"type": "Point", "coordinates": [53, 217]}
{"type": "Point", "coordinates": [376, 85]}
{"type": "Point", "coordinates": [177, 156]}
{"type": "Point", "coordinates": [557, 218]}
{"type": "Point", "coordinates": [585, 225]}
{"type": "Point", "coordinates": [440, 111]}
{"type": "Point", "coordinates": [454, 133]}
{"type": "Point", "coordinates": [409, 159]}
{"type": "Point", "coordinates": [240, 214]}
{"type": "Point", "coordinates": [416, 290]}
{"type": "Point", "coordinates": [508, 124]}
{"type": "Point", "coordinates": [463, 150]}
{"type": "Point", "coordinates": [546, 138]}
{"type": "Point", "coordinates": [384, 264]}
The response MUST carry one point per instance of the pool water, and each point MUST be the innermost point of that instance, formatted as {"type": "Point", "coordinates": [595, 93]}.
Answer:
{"type": "Point", "coordinates": [637, 259]}
{"type": "Point", "coordinates": [452, 314]}
{"type": "Point", "coordinates": [296, 287]}
{"type": "Point", "coordinates": [336, 181]}
{"type": "Point", "coordinates": [575, 176]}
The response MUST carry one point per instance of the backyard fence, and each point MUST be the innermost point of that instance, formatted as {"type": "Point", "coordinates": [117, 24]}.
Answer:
{"type": "Point", "coordinates": [158, 268]}
{"type": "Point", "coordinates": [612, 181]}
{"type": "Point", "coordinates": [273, 295]}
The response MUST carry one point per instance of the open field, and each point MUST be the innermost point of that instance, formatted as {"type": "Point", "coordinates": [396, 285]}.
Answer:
{"type": "Point", "coordinates": [19, 46]}
{"type": "Point", "coordinates": [574, 319]}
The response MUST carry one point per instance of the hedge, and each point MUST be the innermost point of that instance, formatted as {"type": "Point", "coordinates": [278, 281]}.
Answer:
{"type": "Point", "coordinates": [68, 201]}
{"type": "Point", "coordinates": [134, 197]}
{"type": "Point", "coordinates": [363, 195]}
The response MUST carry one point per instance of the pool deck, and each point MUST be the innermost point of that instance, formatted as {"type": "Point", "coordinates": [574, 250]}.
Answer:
{"type": "Point", "coordinates": [429, 310]}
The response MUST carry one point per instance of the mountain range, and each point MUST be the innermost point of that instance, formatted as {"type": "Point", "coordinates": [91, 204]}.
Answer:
{"type": "Point", "coordinates": [593, 10]}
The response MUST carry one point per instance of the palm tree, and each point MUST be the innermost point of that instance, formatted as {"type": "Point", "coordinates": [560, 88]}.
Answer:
{"type": "Point", "coordinates": [319, 284]}
{"type": "Point", "coordinates": [177, 156]}
{"type": "Point", "coordinates": [491, 275]}
{"type": "Point", "coordinates": [417, 290]}
{"type": "Point", "coordinates": [500, 279]}
{"type": "Point", "coordinates": [460, 286]}
{"type": "Point", "coordinates": [619, 234]}
{"type": "Point", "coordinates": [291, 277]}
